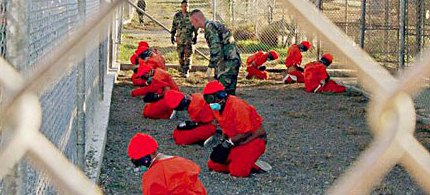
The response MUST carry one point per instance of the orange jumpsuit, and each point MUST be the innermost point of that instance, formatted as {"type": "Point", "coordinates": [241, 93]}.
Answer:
{"type": "Point", "coordinates": [200, 112]}
{"type": "Point", "coordinates": [239, 117]}
{"type": "Point", "coordinates": [159, 75]}
{"type": "Point", "coordinates": [293, 60]}
{"type": "Point", "coordinates": [158, 109]}
{"type": "Point", "coordinates": [315, 74]}
{"type": "Point", "coordinates": [137, 81]}
{"type": "Point", "coordinates": [156, 60]}
{"type": "Point", "coordinates": [139, 50]}
{"type": "Point", "coordinates": [164, 177]}
{"type": "Point", "coordinates": [253, 63]}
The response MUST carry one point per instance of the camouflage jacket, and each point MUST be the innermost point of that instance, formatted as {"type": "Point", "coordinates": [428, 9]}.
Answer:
{"type": "Point", "coordinates": [183, 28]}
{"type": "Point", "coordinates": [221, 43]}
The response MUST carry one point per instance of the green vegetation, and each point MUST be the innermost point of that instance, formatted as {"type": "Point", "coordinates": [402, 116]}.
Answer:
{"type": "Point", "coordinates": [126, 50]}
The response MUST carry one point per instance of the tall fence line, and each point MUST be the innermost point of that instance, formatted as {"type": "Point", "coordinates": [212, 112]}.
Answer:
{"type": "Point", "coordinates": [58, 55]}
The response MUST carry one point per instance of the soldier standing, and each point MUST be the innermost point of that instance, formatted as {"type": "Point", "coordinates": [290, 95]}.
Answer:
{"type": "Point", "coordinates": [225, 57]}
{"type": "Point", "coordinates": [142, 5]}
{"type": "Point", "coordinates": [183, 31]}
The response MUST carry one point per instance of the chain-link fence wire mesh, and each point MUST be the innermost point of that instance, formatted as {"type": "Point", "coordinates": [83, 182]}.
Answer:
{"type": "Point", "coordinates": [393, 141]}
{"type": "Point", "coordinates": [34, 30]}
{"type": "Point", "coordinates": [256, 25]}
{"type": "Point", "coordinates": [264, 25]}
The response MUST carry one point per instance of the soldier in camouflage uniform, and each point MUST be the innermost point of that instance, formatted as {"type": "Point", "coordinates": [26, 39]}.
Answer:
{"type": "Point", "coordinates": [183, 31]}
{"type": "Point", "coordinates": [224, 55]}
{"type": "Point", "coordinates": [142, 5]}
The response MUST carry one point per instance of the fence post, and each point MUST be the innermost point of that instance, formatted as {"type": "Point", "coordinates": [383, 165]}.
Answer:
{"type": "Point", "coordinates": [80, 99]}
{"type": "Point", "coordinates": [233, 17]}
{"type": "Point", "coordinates": [319, 6]}
{"type": "Point", "coordinates": [363, 23]}
{"type": "Point", "coordinates": [386, 23]}
{"type": "Point", "coordinates": [419, 24]}
{"type": "Point", "coordinates": [213, 9]}
{"type": "Point", "coordinates": [346, 17]}
{"type": "Point", "coordinates": [402, 33]}
{"type": "Point", "coordinates": [102, 58]}
{"type": "Point", "coordinates": [16, 42]}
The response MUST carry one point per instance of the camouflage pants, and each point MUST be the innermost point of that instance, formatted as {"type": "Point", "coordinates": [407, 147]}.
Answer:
{"type": "Point", "coordinates": [140, 18]}
{"type": "Point", "coordinates": [226, 73]}
{"type": "Point", "coordinates": [184, 53]}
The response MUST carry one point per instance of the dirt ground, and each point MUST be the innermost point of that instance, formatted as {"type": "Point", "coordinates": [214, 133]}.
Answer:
{"type": "Point", "coordinates": [312, 140]}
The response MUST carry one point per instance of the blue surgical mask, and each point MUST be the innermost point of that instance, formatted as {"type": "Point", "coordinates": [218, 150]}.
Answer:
{"type": "Point", "coordinates": [215, 106]}
{"type": "Point", "coordinates": [143, 169]}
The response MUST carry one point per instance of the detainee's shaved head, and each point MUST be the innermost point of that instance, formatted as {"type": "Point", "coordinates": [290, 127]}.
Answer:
{"type": "Point", "coordinates": [196, 11]}
{"type": "Point", "coordinates": [197, 19]}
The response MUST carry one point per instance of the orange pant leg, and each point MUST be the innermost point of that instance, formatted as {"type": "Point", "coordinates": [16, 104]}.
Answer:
{"type": "Point", "coordinates": [157, 110]}
{"type": "Point", "coordinates": [200, 133]}
{"type": "Point", "coordinates": [257, 74]}
{"type": "Point", "coordinates": [332, 87]}
{"type": "Point", "coordinates": [242, 158]}
{"type": "Point", "coordinates": [223, 168]}
{"type": "Point", "coordinates": [295, 76]}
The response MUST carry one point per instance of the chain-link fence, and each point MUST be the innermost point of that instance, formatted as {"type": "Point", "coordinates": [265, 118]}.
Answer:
{"type": "Point", "coordinates": [264, 25]}
{"type": "Point", "coordinates": [393, 32]}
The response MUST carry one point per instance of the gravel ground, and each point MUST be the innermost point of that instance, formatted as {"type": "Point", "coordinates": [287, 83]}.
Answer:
{"type": "Point", "coordinates": [312, 139]}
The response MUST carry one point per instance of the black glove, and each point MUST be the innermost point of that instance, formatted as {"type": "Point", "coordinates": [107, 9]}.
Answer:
{"type": "Point", "coordinates": [187, 125]}
{"type": "Point", "coordinates": [221, 151]}
{"type": "Point", "coordinates": [300, 69]}
{"type": "Point", "coordinates": [172, 39]}
{"type": "Point", "coordinates": [151, 97]}
{"type": "Point", "coordinates": [327, 79]}
{"type": "Point", "coordinates": [194, 40]}
{"type": "Point", "coordinates": [262, 68]}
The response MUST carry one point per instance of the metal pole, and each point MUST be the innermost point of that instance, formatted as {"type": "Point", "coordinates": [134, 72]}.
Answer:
{"type": "Point", "coordinates": [386, 24]}
{"type": "Point", "coordinates": [363, 23]}
{"type": "Point", "coordinates": [230, 10]}
{"type": "Point", "coordinates": [233, 5]}
{"type": "Point", "coordinates": [213, 9]}
{"type": "Point", "coordinates": [402, 33]}
{"type": "Point", "coordinates": [319, 6]}
{"type": "Point", "coordinates": [419, 24]}
{"type": "Point", "coordinates": [346, 17]}
{"type": "Point", "coordinates": [110, 48]}
{"type": "Point", "coordinates": [162, 25]}
{"type": "Point", "coordinates": [102, 65]}
{"type": "Point", "coordinates": [80, 99]}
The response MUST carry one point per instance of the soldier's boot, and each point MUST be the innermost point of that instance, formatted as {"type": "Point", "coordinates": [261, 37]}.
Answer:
{"type": "Point", "coordinates": [185, 73]}
{"type": "Point", "coordinates": [185, 70]}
